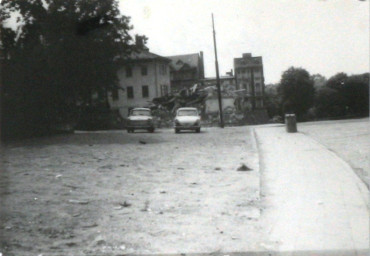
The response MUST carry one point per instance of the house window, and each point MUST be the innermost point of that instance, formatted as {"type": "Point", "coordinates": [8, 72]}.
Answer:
{"type": "Point", "coordinates": [145, 90]}
{"type": "Point", "coordinates": [144, 70]}
{"type": "Point", "coordinates": [130, 92]}
{"type": "Point", "coordinates": [164, 90]}
{"type": "Point", "coordinates": [128, 72]}
{"type": "Point", "coordinates": [115, 95]}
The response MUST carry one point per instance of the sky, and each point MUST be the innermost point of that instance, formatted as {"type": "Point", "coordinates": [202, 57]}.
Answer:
{"type": "Point", "coordinates": [321, 36]}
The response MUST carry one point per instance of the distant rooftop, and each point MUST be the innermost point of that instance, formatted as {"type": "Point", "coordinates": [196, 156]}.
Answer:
{"type": "Point", "coordinates": [248, 60]}
{"type": "Point", "coordinates": [185, 60]}
{"type": "Point", "coordinates": [142, 52]}
{"type": "Point", "coordinates": [146, 55]}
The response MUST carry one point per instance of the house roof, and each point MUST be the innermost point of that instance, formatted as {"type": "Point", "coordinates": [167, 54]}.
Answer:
{"type": "Point", "coordinates": [184, 61]}
{"type": "Point", "coordinates": [248, 61]}
{"type": "Point", "coordinates": [143, 55]}
{"type": "Point", "coordinates": [146, 55]}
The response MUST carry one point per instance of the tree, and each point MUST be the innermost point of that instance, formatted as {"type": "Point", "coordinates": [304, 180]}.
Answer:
{"type": "Point", "coordinates": [61, 55]}
{"type": "Point", "coordinates": [337, 81]}
{"type": "Point", "coordinates": [318, 80]}
{"type": "Point", "coordinates": [354, 90]}
{"type": "Point", "coordinates": [272, 100]}
{"type": "Point", "coordinates": [297, 91]}
{"type": "Point", "coordinates": [329, 103]}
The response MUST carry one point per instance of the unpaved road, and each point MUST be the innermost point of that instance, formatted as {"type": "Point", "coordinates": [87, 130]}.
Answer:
{"type": "Point", "coordinates": [350, 139]}
{"type": "Point", "coordinates": [111, 192]}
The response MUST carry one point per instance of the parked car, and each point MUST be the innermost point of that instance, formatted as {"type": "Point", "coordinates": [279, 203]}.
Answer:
{"type": "Point", "coordinates": [140, 119]}
{"type": "Point", "coordinates": [187, 119]}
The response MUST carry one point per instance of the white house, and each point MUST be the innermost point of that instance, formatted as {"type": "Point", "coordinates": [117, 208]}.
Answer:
{"type": "Point", "coordinates": [144, 76]}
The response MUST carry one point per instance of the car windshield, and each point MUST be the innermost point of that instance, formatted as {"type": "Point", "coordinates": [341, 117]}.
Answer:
{"type": "Point", "coordinates": [140, 112]}
{"type": "Point", "coordinates": [187, 112]}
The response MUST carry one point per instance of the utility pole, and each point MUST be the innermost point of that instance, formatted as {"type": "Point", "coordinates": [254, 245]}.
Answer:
{"type": "Point", "coordinates": [217, 76]}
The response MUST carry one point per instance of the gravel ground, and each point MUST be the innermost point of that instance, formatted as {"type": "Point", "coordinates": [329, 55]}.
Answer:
{"type": "Point", "coordinates": [107, 193]}
{"type": "Point", "coordinates": [350, 139]}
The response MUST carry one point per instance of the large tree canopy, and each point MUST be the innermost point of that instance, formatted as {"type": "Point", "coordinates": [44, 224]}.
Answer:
{"type": "Point", "coordinates": [354, 90]}
{"type": "Point", "coordinates": [329, 103]}
{"type": "Point", "coordinates": [61, 54]}
{"type": "Point", "coordinates": [297, 91]}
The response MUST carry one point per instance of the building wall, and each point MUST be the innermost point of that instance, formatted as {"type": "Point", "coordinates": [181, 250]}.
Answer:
{"type": "Point", "coordinates": [249, 76]}
{"type": "Point", "coordinates": [154, 79]}
{"type": "Point", "coordinates": [212, 104]}
{"type": "Point", "coordinates": [226, 83]}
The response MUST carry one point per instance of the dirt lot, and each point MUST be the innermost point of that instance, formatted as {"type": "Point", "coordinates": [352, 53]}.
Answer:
{"type": "Point", "coordinates": [350, 139]}
{"type": "Point", "coordinates": [110, 193]}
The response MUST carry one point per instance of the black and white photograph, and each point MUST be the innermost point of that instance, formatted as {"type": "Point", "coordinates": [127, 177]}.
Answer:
{"type": "Point", "coordinates": [184, 127]}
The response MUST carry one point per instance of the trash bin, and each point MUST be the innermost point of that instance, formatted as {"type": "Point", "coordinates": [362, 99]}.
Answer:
{"type": "Point", "coordinates": [290, 123]}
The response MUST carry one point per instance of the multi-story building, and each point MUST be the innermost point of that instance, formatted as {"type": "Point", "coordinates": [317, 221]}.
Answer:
{"type": "Point", "coordinates": [186, 70]}
{"type": "Point", "coordinates": [249, 77]}
{"type": "Point", "coordinates": [143, 76]}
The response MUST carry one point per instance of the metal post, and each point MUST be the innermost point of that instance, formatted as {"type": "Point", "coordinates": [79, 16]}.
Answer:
{"type": "Point", "coordinates": [217, 76]}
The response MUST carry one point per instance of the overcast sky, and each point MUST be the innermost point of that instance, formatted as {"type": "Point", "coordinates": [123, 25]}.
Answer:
{"type": "Point", "coordinates": [322, 36]}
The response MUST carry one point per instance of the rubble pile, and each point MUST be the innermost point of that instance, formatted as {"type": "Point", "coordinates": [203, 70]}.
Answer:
{"type": "Point", "coordinates": [164, 108]}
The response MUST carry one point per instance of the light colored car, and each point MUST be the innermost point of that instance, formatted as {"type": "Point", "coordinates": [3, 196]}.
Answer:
{"type": "Point", "coordinates": [187, 119]}
{"type": "Point", "coordinates": [140, 119]}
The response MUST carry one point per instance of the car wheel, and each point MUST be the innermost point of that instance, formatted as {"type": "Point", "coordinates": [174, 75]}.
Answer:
{"type": "Point", "coordinates": [128, 130]}
{"type": "Point", "coordinates": [197, 130]}
{"type": "Point", "coordinates": [151, 130]}
{"type": "Point", "coordinates": [177, 130]}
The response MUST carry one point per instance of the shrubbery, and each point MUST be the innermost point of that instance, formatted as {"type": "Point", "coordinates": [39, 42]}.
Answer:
{"type": "Point", "coordinates": [314, 97]}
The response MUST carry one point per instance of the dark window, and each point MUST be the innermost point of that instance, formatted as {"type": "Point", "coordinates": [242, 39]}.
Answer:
{"type": "Point", "coordinates": [130, 92]}
{"type": "Point", "coordinates": [128, 72]}
{"type": "Point", "coordinates": [115, 93]}
{"type": "Point", "coordinates": [144, 71]}
{"type": "Point", "coordinates": [145, 91]}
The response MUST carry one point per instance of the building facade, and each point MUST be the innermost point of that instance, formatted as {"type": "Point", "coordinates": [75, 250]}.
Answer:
{"type": "Point", "coordinates": [186, 70]}
{"type": "Point", "coordinates": [143, 76]}
{"type": "Point", "coordinates": [249, 79]}
{"type": "Point", "coordinates": [227, 82]}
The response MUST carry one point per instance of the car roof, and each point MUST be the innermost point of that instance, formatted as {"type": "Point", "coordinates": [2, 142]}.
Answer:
{"type": "Point", "coordinates": [188, 108]}
{"type": "Point", "coordinates": [140, 109]}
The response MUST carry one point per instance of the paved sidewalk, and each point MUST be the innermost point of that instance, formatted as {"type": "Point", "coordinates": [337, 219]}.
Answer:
{"type": "Point", "coordinates": [313, 199]}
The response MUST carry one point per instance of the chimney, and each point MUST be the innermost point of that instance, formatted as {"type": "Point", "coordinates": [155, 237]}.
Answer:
{"type": "Point", "coordinates": [247, 55]}
{"type": "Point", "coordinates": [139, 42]}
{"type": "Point", "coordinates": [230, 73]}
{"type": "Point", "coordinates": [201, 65]}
